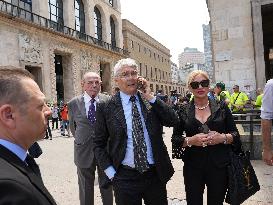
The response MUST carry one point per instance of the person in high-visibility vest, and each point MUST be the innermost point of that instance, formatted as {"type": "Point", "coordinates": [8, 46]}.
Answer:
{"type": "Point", "coordinates": [238, 99]}
{"type": "Point", "coordinates": [258, 102]}
{"type": "Point", "coordinates": [221, 93]}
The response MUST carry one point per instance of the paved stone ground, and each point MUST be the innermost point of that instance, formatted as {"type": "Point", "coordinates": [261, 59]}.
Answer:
{"type": "Point", "coordinates": [60, 177]}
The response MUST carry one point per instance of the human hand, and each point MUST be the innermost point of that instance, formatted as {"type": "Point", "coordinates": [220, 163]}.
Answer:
{"type": "Point", "coordinates": [199, 139]}
{"type": "Point", "coordinates": [215, 138]}
{"type": "Point", "coordinates": [268, 157]}
{"type": "Point", "coordinates": [144, 88]}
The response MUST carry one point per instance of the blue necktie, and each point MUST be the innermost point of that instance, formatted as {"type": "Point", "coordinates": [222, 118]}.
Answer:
{"type": "Point", "coordinates": [92, 111]}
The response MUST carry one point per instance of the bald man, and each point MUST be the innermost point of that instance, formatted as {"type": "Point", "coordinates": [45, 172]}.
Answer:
{"type": "Point", "coordinates": [81, 111]}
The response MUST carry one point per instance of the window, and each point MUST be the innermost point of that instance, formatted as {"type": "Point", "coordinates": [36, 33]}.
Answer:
{"type": "Point", "coordinates": [98, 24]}
{"type": "Point", "coordinates": [56, 11]}
{"type": "Point", "coordinates": [111, 3]}
{"type": "Point", "coordinates": [140, 69]}
{"type": "Point", "coordinates": [79, 16]}
{"type": "Point", "coordinates": [25, 4]}
{"type": "Point", "coordinates": [146, 71]}
{"type": "Point", "coordinates": [113, 32]}
{"type": "Point", "coordinates": [138, 47]}
{"type": "Point", "coordinates": [132, 44]}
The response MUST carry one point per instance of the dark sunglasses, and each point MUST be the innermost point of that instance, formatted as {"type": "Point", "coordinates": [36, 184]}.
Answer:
{"type": "Point", "coordinates": [203, 83]}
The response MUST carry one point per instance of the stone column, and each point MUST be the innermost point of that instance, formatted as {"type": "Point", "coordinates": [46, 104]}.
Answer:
{"type": "Point", "coordinates": [89, 17]}
{"type": "Point", "coordinates": [258, 43]}
{"type": "Point", "coordinates": [69, 13]}
{"type": "Point", "coordinates": [40, 8]}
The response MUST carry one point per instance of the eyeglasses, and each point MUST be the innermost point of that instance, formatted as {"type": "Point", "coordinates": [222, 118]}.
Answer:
{"type": "Point", "coordinates": [203, 83]}
{"type": "Point", "coordinates": [128, 74]}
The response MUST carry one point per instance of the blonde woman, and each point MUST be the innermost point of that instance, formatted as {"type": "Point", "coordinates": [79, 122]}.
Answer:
{"type": "Point", "coordinates": [209, 133]}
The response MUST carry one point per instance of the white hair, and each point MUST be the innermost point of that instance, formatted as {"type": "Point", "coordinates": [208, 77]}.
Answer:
{"type": "Point", "coordinates": [124, 63]}
{"type": "Point", "coordinates": [88, 74]}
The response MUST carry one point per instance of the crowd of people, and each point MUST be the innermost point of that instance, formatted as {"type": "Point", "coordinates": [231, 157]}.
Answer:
{"type": "Point", "coordinates": [122, 137]}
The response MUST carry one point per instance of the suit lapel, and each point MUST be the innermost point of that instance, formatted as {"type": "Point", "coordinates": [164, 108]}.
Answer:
{"type": "Point", "coordinates": [81, 106]}
{"type": "Point", "coordinates": [20, 165]}
{"type": "Point", "coordinates": [118, 110]}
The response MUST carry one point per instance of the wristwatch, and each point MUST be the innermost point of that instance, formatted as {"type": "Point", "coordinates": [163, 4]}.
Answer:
{"type": "Point", "coordinates": [225, 140]}
{"type": "Point", "coordinates": [187, 142]}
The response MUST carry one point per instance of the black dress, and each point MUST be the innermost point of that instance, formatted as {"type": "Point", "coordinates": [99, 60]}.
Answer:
{"type": "Point", "coordinates": [204, 165]}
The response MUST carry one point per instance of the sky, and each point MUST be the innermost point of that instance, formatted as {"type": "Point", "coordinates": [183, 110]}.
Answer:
{"type": "Point", "coordinates": [176, 24]}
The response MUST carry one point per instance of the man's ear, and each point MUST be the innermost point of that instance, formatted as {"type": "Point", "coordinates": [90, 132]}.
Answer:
{"type": "Point", "coordinates": [7, 117]}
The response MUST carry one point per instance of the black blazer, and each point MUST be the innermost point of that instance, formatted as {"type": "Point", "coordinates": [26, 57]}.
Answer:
{"type": "Point", "coordinates": [19, 184]}
{"type": "Point", "coordinates": [220, 120]}
{"type": "Point", "coordinates": [110, 139]}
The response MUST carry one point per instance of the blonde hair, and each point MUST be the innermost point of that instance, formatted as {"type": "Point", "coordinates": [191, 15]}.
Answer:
{"type": "Point", "coordinates": [195, 73]}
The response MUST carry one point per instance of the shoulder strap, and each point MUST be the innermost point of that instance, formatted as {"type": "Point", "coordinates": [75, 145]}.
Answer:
{"type": "Point", "coordinates": [237, 97]}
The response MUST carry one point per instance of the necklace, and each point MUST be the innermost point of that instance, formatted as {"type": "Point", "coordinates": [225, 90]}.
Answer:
{"type": "Point", "coordinates": [202, 108]}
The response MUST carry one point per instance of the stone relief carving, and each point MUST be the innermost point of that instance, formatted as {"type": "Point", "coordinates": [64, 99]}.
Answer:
{"type": "Point", "coordinates": [30, 49]}
{"type": "Point", "coordinates": [86, 60]}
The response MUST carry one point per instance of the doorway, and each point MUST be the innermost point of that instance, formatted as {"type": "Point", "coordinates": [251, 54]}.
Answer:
{"type": "Point", "coordinates": [59, 79]}
{"type": "Point", "coordinates": [105, 75]}
{"type": "Point", "coordinates": [37, 73]}
{"type": "Point", "coordinates": [267, 22]}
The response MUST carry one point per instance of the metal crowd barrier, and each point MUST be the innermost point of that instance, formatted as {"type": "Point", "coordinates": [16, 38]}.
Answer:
{"type": "Point", "coordinates": [251, 118]}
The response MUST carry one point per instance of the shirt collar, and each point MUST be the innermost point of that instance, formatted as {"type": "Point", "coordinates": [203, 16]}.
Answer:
{"type": "Point", "coordinates": [14, 148]}
{"type": "Point", "coordinates": [126, 98]}
{"type": "Point", "coordinates": [87, 98]}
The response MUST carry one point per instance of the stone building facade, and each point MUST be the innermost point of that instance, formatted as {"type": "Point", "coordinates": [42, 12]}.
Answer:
{"type": "Point", "coordinates": [190, 56]}
{"type": "Point", "coordinates": [208, 52]}
{"type": "Point", "coordinates": [153, 58]}
{"type": "Point", "coordinates": [174, 71]}
{"type": "Point", "coordinates": [58, 41]}
{"type": "Point", "coordinates": [242, 41]}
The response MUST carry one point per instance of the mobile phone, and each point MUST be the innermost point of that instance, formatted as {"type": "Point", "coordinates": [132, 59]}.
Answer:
{"type": "Point", "coordinates": [140, 85]}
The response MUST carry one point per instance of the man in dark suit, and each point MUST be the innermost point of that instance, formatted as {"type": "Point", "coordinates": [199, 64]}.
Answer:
{"type": "Point", "coordinates": [81, 112]}
{"type": "Point", "coordinates": [23, 120]}
{"type": "Point", "coordinates": [128, 141]}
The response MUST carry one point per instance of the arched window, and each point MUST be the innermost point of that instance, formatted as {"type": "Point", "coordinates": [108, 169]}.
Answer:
{"type": "Point", "coordinates": [56, 11]}
{"type": "Point", "coordinates": [98, 24]}
{"type": "Point", "coordinates": [113, 32]}
{"type": "Point", "coordinates": [79, 16]}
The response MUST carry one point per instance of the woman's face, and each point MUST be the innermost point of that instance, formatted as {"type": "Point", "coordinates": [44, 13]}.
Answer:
{"type": "Point", "coordinates": [199, 86]}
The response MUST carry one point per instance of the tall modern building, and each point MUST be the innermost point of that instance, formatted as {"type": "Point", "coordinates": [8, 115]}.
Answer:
{"type": "Point", "coordinates": [242, 41]}
{"type": "Point", "coordinates": [59, 40]}
{"type": "Point", "coordinates": [153, 57]}
{"type": "Point", "coordinates": [208, 67]}
{"type": "Point", "coordinates": [191, 56]}
{"type": "Point", "coordinates": [174, 71]}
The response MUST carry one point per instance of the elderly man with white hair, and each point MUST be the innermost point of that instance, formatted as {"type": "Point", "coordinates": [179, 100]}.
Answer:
{"type": "Point", "coordinates": [81, 112]}
{"type": "Point", "coordinates": [128, 142]}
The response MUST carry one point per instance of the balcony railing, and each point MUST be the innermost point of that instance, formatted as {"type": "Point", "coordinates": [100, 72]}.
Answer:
{"type": "Point", "coordinates": [28, 16]}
